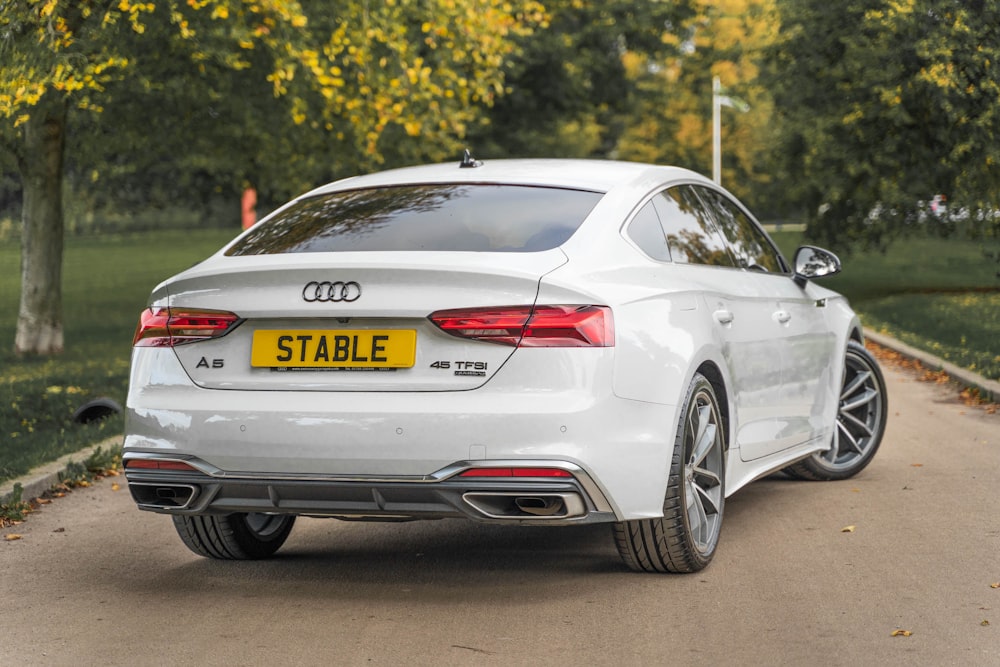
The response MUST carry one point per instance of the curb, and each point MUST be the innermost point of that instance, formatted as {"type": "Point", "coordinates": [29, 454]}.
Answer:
{"type": "Point", "coordinates": [44, 477]}
{"type": "Point", "coordinates": [988, 389]}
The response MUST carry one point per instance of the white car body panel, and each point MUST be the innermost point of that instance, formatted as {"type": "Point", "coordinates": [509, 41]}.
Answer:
{"type": "Point", "coordinates": [774, 348]}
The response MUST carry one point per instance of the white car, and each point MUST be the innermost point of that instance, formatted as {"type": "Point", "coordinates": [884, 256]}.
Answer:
{"type": "Point", "coordinates": [543, 342]}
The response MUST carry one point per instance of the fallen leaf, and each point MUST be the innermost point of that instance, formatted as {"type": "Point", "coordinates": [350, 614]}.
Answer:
{"type": "Point", "coordinates": [984, 623]}
{"type": "Point", "coordinates": [901, 633]}
{"type": "Point", "coordinates": [115, 487]}
{"type": "Point", "coordinates": [847, 529]}
{"type": "Point", "coordinates": [916, 465]}
{"type": "Point", "coordinates": [995, 585]}
{"type": "Point", "coordinates": [44, 501]}
{"type": "Point", "coordinates": [59, 530]}
{"type": "Point", "coordinates": [10, 537]}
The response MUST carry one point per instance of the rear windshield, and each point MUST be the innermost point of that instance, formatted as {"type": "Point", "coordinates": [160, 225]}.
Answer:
{"type": "Point", "coordinates": [458, 217]}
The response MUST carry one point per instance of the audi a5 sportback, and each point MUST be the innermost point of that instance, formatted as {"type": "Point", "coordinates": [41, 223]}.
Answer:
{"type": "Point", "coordinates": [540, 342]}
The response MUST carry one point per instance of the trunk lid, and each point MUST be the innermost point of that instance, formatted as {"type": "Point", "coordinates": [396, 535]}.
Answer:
{"type": "Point", "coordinates": [356, 322]}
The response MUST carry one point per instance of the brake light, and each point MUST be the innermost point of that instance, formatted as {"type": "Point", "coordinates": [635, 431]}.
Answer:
{"type": "Point", "coordinates": [527, 326]}
{"type": "Point", "coordinates": [515, 472]}
{"type": "Point", "coordinates": [166, 327]}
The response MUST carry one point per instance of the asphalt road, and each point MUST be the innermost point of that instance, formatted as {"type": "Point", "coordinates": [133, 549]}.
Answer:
{"type": "Point", "coordinates": [93, 581]}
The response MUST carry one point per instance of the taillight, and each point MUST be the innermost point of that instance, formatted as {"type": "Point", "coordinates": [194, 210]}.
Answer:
{"type": "Point", "coordinates": [166, 327]}
{"type": "Point", "coordinates": [527, 326]}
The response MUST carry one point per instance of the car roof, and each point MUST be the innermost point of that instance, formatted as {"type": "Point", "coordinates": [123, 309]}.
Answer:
{"type": "Point", "coordinates": [597, 175]}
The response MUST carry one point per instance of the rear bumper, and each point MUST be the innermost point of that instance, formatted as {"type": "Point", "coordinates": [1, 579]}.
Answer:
{"type": "Point", "coordinates": [569, 500]}
{"type": "Point", "coordinates": [255, 445]}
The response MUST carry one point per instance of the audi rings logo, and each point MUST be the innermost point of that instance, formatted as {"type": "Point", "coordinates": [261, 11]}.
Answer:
{"type": "Point", "coordinates": [334, 292]}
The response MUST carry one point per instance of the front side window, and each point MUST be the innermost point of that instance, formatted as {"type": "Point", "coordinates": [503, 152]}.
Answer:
{"type": "Point", "coordinates": [690, 229]}
{"type": "Point", "coordinates": [456, 217]}
{"type": "Point", "coordinates": [747, 242]}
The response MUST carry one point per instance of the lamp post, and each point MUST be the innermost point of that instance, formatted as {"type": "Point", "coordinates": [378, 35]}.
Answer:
{"type": "Point", "coordinates": [718, 101]}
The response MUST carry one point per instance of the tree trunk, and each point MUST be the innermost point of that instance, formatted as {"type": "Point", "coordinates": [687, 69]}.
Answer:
{"type": "Point", "coordinates": [39, 320]}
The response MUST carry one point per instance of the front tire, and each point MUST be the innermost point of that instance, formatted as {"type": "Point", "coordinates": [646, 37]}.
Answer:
{"type": "Point", "coordinates": [861, 418]}
{"type": "Point", "coordinates": [234, 536]}
{"type": "Point", "coordinates": [685, 537]}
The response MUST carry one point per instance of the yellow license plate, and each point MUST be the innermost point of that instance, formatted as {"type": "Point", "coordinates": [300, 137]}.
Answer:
{"type": "Point", "coordinates": [341, 348]}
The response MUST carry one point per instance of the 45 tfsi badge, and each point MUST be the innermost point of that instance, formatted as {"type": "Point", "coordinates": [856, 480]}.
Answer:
{"type": "Point", "coordinates": [466, 368]}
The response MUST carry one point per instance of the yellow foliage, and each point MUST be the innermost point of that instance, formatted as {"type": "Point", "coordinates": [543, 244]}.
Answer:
{"type": "Point", "coordinates": [693, 131]}
{"type": "Point", "coordinates": [364, 76]}
{"type": "Point", "coordinates": [672, 123]}
{"type": "Point", "coordinates": [634, 63]}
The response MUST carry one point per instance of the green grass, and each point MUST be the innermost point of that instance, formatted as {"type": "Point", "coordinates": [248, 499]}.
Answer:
{"type": "Point", "coordinates": [931, 322]}
{"type": "Point", "coordinates": [106, 282]}
{"type": "Point", "coordinates": [938, 295]}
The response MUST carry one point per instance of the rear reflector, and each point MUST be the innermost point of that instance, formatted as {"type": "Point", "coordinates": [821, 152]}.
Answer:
{"type": "Point", "coordinates": [515, 472]}
{"type": "Point", "coordinates": [153, 464]}
{"type": "Point", "coordinates": [166, 327]}
{"type": "Point", "coordinates": [527, 326]}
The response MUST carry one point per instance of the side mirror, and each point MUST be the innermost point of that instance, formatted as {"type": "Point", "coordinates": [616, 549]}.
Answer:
{"type": "Point", "coordinates": [813, 262]}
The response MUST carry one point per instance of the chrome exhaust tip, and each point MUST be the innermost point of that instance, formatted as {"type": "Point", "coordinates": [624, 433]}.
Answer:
{"type": "Point", "coordinates": [540, 506]}
{"type": "Point", "coordinates": [522, 506]}
{"type": "Point", "coordinates": [163, 496]}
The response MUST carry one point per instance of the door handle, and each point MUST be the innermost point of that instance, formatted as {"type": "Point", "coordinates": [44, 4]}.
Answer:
{"type": "Point", "coordinates": [723, 316]}
{"type": "Point", "coordinates": [782, 317]}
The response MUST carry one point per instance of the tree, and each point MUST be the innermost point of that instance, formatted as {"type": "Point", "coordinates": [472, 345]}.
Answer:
{"type": "Point", "coordinates": [567, 92]}
{"type": "Point", "coordinates": [879, 106]}
{"type": "Point", "coordinates": [671, 112]}
{"type": "Point", "coordinates": [349, 74]}
{"type": "Point", "coordinates": [57, 53]}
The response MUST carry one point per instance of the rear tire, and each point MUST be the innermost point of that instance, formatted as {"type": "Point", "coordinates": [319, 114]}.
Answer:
{"type": "Point", "coordinates": [861, 418]}
{"type": "Point", "coordinates": [234, 536]}
{"type": "Point", "coordinates": [685, 537]}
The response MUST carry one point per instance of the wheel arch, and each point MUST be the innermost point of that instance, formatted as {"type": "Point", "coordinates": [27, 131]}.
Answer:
{"type": "Point", "coordinates": [714, 376]}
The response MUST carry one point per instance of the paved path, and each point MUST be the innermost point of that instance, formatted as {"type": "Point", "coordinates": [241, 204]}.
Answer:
{"type": "Point", "coordinates": [94, 581]}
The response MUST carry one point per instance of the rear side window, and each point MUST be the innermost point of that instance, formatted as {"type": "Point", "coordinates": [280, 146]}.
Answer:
{"type": "Point", "coordinates": [456, 217]}
{"type": "Point", "coordinates": [645, 232]}
{"type": "Point", "coordinates": [690, 229]}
